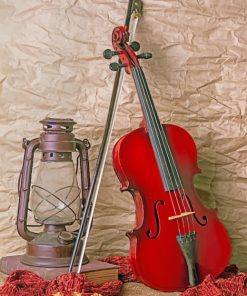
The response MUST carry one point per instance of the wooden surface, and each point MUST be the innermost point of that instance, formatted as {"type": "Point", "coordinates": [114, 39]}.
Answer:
{"type": "Point", "coordinates": [9, 264]}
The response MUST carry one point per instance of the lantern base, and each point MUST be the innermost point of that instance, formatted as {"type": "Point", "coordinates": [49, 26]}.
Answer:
{"type": "Point", "coordinates": [50, 262]}
{"type": "Point", "coordinates": [51, 249]}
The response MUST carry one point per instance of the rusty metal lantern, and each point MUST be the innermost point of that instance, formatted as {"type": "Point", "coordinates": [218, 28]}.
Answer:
{"type": "Point", "coordinates": [54, 196]}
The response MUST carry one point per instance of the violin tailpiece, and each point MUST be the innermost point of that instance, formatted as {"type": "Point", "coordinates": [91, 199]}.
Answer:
{"type": "Point", "coordinates": [187, 244]}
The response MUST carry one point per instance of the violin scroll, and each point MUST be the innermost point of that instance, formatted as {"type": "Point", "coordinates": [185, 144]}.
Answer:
{"type": "Point", "coordinates": [120, 36]}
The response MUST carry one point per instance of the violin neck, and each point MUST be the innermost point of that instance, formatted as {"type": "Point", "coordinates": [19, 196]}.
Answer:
{"type": "Point", "coordinates": [164, 158]}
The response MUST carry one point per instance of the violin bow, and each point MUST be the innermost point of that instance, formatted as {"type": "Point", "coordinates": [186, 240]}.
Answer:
{"type": "Point", "coordinates": [134, 12]}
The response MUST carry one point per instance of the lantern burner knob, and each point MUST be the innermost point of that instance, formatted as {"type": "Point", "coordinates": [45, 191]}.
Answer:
{"type": "Point", "coordinates": [66, 237]}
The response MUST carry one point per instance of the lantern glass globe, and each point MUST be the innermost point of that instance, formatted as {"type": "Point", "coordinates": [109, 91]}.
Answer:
{"type": "Point", "coordinates": [55, 194]}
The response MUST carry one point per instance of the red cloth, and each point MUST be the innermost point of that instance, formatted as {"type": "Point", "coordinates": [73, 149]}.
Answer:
{"type": "Point", "coordinates": [25, 283]}
{"type": "Point", "coordinates": [107, 289]}
{"type": "Point", "coordinates": [66, 284]}
{"type": "Point", "coordinates": [230, 283]}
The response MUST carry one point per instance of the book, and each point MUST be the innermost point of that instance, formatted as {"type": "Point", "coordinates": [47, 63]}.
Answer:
{"type": "Point", "coordinates": [95, 271]}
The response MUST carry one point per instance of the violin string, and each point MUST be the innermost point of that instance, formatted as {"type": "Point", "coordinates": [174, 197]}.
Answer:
{"type": "Point", "coordinates": [148, 96]}
{"type": "Point", "coordinates": [141, 92]}
{"type": "Point", "coordinates": [160, 137]}
{"type": "Point", "coordinates": [172, 163]}
{"type": "Point", "coordinates": [170, 158]}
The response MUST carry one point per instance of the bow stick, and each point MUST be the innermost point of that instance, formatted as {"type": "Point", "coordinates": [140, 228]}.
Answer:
{"type": "Point", "coordinates": [134, 12]}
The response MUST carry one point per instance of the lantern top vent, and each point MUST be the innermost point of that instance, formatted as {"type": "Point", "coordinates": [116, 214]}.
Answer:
{"type": "Point", "coordinates": [58, 125]}
{"type": "Point", "coordinates": [57, 137]}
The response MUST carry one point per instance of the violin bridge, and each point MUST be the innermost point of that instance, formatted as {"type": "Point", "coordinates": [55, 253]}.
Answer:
{"type": "Point", "coordinates": [182, 215]}
{"type": "Point", "coordinates": [187, 244]}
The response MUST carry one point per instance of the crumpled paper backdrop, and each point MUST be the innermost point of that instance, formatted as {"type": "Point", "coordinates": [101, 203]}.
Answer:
{"type": "Point", "coordinates": [51, 64]}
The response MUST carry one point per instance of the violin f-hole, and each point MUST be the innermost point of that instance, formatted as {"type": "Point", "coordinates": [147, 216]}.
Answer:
{"type": "Point", "coordinates": [149, 232]}
{"type": "Point", "coordinates": [204, 218]}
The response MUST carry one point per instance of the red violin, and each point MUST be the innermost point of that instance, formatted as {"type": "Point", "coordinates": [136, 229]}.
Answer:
{"type": "Point", "coordinates": [176, 241]}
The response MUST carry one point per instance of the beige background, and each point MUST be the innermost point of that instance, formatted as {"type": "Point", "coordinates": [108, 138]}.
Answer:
{"type": "Point", "coordinates": [51, 65]}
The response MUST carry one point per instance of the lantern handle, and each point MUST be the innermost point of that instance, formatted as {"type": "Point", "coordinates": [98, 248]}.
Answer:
{"type": "Point", "coordinates": [24, 188]}
{"type": "Point", "coordinates": [82, 147]}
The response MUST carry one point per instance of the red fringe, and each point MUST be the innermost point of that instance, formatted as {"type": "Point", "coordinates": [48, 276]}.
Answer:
{"type": "Point", "coordinates": [107, 289]}
{"type": "Point", "coordinates": [25, 283]}
{"type": "Point", "coordinates": [66, 284]}
{"type": "Point", "coordinates": [230, 283]}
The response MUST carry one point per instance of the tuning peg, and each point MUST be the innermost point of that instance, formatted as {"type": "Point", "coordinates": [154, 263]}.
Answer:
{"type": "Point", "coordinates": [145, 55]}
{"type": "Point", "coordinates": [108, 54]}
{"type": "Point", "coordinates": [135, 45]}
{"type": "Point", "coordinates": [116, 66]}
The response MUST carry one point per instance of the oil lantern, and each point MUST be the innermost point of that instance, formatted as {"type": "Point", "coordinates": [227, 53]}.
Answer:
{"type": "Point", "coordinates": [53, 195]}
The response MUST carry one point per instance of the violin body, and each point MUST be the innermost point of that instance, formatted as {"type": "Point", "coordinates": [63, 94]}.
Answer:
{"type": "Point", "coordinates": [176, 241]}
{"type": "Point", "coordinates": [155, 254]}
